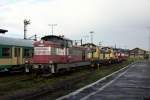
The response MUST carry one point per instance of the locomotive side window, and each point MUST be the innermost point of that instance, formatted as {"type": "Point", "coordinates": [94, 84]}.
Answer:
{"type": "Point", "coordinates": [53, 51]}
{"type": "Point", "coordinates": [62, 46]}
{"type": "Point", "coordinates": [75, 51]}
{"type": "Point", "coordinates": [6, 52]}
{"type": "Point", "coordinates": [42, 51]}
{"type": "Point", "coordinates": [60, 51]}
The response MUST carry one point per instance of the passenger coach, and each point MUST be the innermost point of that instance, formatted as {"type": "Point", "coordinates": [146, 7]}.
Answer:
{"type": "Point", "coordinates": [14, 53]}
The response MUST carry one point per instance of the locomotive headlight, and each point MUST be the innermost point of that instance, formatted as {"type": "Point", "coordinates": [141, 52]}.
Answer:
{"type": "Point", "coordinates": [70, 56]}
{"type": "Point", "coordinates": [50, 61]}
{"type": "Point", "coordinates": [41, 41]}
{"type": "Point", "coordinates": [26, 61]}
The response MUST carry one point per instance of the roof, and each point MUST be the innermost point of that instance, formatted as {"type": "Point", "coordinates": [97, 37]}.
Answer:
{"type": "Point", "coordinates": [3, 31]}
{"type": "Point", "coordinates": [49, 37]}
{"type": "Point", "coordinates": [136, 49]}
{"type": "Point", "coordinates": [121, 50]}
{"type": "Point", "coordinates": [15, 42]}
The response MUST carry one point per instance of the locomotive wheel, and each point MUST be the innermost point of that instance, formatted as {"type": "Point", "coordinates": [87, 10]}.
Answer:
{"type": "Point", "coordinates": [92, 65]}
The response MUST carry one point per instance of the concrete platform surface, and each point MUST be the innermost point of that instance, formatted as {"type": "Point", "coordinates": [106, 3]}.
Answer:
{"type": "Point", "coordinates": [131, 84]}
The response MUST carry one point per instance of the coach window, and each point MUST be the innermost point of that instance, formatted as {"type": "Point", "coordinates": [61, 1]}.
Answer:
{"type": "Point", "coordinates": [26, 52]}
{"type": "Point", "coordinates": [32, 52]}
{"type": "Point", "coordinates": [6, 52]}
{"type": "Point", "coordinates": [17, 52]}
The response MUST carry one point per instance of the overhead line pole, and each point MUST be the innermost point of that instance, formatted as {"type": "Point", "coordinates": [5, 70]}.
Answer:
{"type": "Point", "coordinates": [52, 26]}
{"type": "Point", "coordinates": [92, 36]}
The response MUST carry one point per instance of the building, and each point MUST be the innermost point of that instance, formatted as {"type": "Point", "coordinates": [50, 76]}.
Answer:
{"type": "Point", "coordinates": [137, 53]}
{"type": "Point", "coordinates": [3, 31]}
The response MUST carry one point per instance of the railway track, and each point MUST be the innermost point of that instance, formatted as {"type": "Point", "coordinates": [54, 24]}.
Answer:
{"type": "Point", "coordinates": [47, 90]}
{"type": "Point", "coordinates": [55, 86]}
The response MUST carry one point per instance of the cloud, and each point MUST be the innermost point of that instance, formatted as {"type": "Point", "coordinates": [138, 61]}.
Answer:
{"type": "Point", "coordinates": [113, 21]}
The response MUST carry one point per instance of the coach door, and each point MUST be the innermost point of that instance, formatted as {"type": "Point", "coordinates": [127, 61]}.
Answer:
{"type": "Point", "coordinates": [17, 56]}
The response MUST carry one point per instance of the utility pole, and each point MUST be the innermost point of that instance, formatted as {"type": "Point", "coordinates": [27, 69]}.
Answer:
{"type": "Point", "coordinates": [100, 44]}
{"type": "Point", "coordinates": [92, 36]}
{"type": "Point", "coordinates": [52, 26]}
{"type": "Point", "coordinates": [115, 45]}
{"type": "Point", "coordinates": [26, 22]}
{"type": "Point", "coordinates": [91, 32]}
{"type": "Point", "coordinates": [85, 38]}
{"type": "Point", "coordinates": [149, 45]}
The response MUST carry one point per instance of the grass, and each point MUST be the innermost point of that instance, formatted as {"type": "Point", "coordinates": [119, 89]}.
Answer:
{"type": "Point", "coordinates": [75, 80]}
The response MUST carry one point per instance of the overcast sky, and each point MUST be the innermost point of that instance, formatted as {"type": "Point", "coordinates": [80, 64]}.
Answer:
{"type": "Point", "coordinates": [121, 22]}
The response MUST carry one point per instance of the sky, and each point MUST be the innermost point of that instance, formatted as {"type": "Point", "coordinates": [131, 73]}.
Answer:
{"type": "Point", "coordinates": [125, 23]}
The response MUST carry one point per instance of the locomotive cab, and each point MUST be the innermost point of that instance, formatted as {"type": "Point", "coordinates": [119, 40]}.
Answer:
{"type": "Point", "coordinates": [51, 49]}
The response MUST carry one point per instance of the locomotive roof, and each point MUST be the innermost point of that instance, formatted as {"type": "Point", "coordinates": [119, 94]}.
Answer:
{"type": "Point", "coordinates": [15, 42]}
{"type": "Point", "coordinates": [50, 37]}
{"type": "Point", "coordinates": [89, 44]}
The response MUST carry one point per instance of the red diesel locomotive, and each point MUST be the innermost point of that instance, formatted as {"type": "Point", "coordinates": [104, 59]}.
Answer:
{"type": "Point", "coordinates": [56, 53]}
